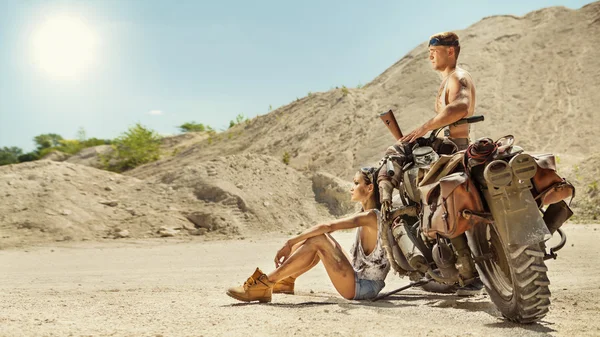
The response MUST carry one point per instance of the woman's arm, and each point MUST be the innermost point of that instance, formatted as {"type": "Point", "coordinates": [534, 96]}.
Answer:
{"type": "Point", "coordinates": [362, 219]}
{"type": "Point", "coordinates": [368, 218]}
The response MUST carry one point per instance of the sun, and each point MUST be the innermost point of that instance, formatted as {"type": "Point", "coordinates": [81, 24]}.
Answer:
{"type": "Point", "coordinates": [64, 46]}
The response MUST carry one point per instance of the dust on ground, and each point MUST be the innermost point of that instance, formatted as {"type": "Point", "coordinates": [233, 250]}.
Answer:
{"type": "Point", "coordinates": [151, 288]}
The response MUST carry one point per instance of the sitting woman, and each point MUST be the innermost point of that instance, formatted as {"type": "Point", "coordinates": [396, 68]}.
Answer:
{"type": "Point", "coordinates": [361, 277]}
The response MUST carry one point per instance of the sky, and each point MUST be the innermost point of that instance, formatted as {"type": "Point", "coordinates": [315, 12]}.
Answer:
{"type": "Point", "coordinates": [165, 63]}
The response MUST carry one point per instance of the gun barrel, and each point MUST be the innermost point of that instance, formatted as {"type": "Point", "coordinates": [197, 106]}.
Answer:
{"type": "Point", "coordinates": [390, 121]}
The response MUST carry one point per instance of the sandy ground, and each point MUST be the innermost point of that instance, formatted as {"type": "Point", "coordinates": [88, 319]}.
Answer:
{"type": "Point", "coordinates": [169, 288]}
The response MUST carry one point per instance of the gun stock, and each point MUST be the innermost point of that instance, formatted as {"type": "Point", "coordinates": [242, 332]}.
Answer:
{"type": "Point", "coordinates": [391, 123]}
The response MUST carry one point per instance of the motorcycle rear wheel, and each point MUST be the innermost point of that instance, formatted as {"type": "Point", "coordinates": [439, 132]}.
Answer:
{"type": "Point", "coordinates": [514, 277]}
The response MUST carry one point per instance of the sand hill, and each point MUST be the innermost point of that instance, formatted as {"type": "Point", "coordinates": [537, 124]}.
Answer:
{"type": "Point", "coordinates": [228, 196]}
{"type": "Point", "coordinates": [537, 78]}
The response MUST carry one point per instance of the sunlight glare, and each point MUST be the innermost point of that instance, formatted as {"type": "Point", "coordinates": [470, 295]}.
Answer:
{"type": "Point", "coordinates": [64, 46]}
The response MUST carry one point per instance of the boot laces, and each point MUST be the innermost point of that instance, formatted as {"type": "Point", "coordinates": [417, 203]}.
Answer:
{"type": "Point", "coordinates": [250, 281]}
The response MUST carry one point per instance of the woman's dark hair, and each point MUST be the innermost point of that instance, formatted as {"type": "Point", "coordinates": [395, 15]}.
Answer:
{"type": "Point", "coordinates": [370, 176]}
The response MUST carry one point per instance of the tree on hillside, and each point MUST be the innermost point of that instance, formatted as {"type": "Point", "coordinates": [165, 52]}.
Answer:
{"type": "Point", "coordinates": [47, 140]}
{"type": "Point", "coordinates": [136, 146]}
{"type": "Point", "coordinates": [10, 155]}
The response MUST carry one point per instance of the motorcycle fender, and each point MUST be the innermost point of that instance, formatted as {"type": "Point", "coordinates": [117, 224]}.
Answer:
{"type": "Point", "coordinates": [516, 216]}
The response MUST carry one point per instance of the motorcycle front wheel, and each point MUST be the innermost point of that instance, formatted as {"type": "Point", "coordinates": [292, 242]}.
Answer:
{"type": "Point", "coordinates": [514, 277]}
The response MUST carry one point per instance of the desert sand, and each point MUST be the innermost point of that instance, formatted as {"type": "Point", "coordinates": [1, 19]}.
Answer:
{"type": "Point", "coordinates": [177, 288]}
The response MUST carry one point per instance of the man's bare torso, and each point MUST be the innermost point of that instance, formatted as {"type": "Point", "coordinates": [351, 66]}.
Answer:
{"type": "Point", "coordinates": [461, 131]}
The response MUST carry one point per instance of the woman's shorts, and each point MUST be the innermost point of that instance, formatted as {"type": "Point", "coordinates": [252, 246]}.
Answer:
{"type": "Point", "coordinates": [367, 289]}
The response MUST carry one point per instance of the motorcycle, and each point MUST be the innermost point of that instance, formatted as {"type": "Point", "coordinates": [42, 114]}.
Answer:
{"type": "Point", "coordinates": [483, 214]}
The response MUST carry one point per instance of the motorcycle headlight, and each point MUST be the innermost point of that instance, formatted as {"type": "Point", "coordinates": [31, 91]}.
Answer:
{"type": "Point", "coordinates": [498, 174]}
{"type": "Point", "coordinates": [523, 166]}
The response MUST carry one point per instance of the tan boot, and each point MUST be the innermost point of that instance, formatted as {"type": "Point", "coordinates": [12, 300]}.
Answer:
{"type": "Point", "coordinates": [256, 288]}
{"type": "Point", "coordinates": [285, 286]}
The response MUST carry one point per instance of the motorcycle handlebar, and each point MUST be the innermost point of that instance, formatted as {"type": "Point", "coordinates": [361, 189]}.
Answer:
{"type": "Point", "coordinates": [469, 120]}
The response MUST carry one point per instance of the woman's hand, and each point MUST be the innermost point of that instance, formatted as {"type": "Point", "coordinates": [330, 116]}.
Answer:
{"type": "Point", "coordinates": [283, 254]}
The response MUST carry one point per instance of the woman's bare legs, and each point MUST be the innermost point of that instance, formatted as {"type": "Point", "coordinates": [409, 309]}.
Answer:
{"type": "Point", "coordinates": [322, 248]}
{"type": "Point", "coordinates": [309, 267]}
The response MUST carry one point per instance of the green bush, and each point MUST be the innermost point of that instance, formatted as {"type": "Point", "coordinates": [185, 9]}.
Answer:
{"type": "Point", "coordinates": [10, 155]}
{"type": "Point", "coordinates": [47, 143]}
{"type": "Point", "coordinates": [135, 147]}
{"type": "Point", "coordinates": [286, 158]}
{"type": "Point", "coordinates": [95, 142]}
{"type": "Point", "coordinates": [31, 156]}
{"type": "Point", "coordinates": [192, 127]}
{"type": "Point", "coordinates": [344, 90]}
{"type": "Point", "coordinates": [72, 146]}
{"type": "Point", "coordinates": [238, 120]}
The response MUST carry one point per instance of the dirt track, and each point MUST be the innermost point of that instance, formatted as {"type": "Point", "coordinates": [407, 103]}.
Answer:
{"type": "Point", "coordinates": [171, 288]}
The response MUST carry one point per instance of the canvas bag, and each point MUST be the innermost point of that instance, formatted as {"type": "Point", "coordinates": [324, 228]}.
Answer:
{"type": "Point", "coordinates": [550, 188]}
{"type": "Point", "coordinates": [444, 203]}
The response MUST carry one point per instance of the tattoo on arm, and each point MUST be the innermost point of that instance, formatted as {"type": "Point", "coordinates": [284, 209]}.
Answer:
{"type": "Point", "coordinates": [464, 93]}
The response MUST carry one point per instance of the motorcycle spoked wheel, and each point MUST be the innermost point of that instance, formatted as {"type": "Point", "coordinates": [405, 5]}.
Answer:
{"type": "Point", "coordinates": [514, 277]}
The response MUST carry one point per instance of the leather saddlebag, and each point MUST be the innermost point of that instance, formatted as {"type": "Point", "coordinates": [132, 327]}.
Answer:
{"type": "Point", "coordinates": [444, 204]}
{"type": "Point", "coordinates": [549, 187]}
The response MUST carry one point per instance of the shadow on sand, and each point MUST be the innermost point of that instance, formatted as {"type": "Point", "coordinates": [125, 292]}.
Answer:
{"type": "Point", "coordinates": [451, 301]}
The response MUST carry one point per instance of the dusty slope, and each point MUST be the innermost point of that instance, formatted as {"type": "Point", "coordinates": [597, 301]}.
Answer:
{"type": "Point", "coordinates": [46, 201]}
{"type": "Point", "coordinates": [537, 78]}
{"type": "Point", "coordinates": [143, 288]}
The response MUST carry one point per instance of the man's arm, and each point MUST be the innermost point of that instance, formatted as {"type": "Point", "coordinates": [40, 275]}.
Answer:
{"type": "Point", "coordinates": [459, 98]}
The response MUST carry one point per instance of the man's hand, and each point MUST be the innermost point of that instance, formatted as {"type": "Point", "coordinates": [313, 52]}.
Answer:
{"type": "Point", "coordinates": [386, 207]}
{"type": "Point", "coordinates": [283, 254]}
{"type": "Point", "coordinates": [411, 137]}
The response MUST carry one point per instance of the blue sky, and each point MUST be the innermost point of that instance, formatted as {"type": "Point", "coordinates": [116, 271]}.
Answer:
{"type": "Point", "coordinates": [208, 61]}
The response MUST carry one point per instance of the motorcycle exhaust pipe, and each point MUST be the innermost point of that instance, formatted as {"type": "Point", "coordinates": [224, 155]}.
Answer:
{"type": "Point", "coordinates": [413, 255]}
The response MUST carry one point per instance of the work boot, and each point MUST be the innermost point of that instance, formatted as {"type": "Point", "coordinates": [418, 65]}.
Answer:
{"type": "Point", "coordinates": [285, 286]}
{"type": "Point", "coordinates": [256, 288]}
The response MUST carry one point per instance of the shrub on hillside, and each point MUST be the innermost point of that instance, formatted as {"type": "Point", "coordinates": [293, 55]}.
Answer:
{"type": "Point", "coordinates": [10, 155]}
{"type": "Point", "coordinates": [238, 120]}
{"type": "Point", "coordinates": [135, 147]}
{"type": "Point", "coordinates": [192, 127]}
{"type": "Point", "coordinates": [286, 158]}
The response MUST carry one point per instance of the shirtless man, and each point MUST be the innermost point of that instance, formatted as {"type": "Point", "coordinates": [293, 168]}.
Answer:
{"type": "Point", "coordinates": [455, 100]}
{"type": "Point", "coordinates": [456, 95]}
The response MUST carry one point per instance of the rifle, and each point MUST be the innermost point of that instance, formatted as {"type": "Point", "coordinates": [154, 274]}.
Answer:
{"type": "Point", "coordinates": [390, 121]}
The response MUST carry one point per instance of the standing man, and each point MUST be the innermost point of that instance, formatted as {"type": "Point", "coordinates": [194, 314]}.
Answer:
{"type": "Point", "coordinates": [456, 95]}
